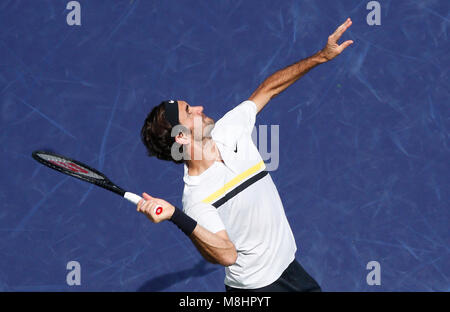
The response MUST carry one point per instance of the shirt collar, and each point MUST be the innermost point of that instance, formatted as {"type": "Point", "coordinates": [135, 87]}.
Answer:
{"type": "Point", "coordinates": [196, 180]}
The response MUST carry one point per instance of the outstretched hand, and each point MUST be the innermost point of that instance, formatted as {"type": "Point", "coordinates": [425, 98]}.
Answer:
{"type": "Point", "coordinates": [333, 49]}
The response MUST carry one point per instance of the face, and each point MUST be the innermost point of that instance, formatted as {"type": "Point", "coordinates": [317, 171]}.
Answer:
{"type": "Point", "coordinates": [193, 118]}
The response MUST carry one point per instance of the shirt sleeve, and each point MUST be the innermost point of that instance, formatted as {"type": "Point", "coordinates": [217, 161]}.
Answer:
{"type": "Point", "coordinates": [206, 215]}
{"type": "Point", "coordinates": [237, 122]}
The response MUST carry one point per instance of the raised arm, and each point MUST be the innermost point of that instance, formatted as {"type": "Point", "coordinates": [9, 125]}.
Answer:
{"type": "Point", "coordinates": [279, 81]}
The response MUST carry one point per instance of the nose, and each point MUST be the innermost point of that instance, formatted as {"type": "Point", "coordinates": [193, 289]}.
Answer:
{"type": "Point", "coordinates": [199, 109]}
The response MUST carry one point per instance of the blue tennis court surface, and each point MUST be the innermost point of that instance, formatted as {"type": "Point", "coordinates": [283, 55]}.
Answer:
{"type": "Point", "coordinates": [363, 155]}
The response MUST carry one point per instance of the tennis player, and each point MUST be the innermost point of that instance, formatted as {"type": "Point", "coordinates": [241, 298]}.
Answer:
{"type": "Point", "coordinates": [232, 211]}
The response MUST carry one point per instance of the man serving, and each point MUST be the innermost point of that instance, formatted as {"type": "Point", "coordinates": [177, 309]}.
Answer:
{"type": "Point", "coordinates": [232, 211]}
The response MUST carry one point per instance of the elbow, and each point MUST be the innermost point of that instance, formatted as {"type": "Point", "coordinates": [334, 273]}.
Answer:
{"type": "Point", "coordinates": [229, 258]}
{"type": "Point", "coordinates": [229, 261]}
{"type": "Point", "coordinates": [266, 91]}
{"type": "Point", "coordinates": [272, 92]}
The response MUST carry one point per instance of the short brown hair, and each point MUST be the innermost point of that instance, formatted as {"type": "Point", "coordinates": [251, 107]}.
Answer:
{"type": "Point", "coordinates": [156, 134]}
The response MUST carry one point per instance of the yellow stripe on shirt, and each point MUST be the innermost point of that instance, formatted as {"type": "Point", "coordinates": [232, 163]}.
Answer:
{"type": "Point", "coordinates": [234, 182]}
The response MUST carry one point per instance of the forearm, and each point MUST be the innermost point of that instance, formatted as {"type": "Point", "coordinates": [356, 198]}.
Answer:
{"type": "Point", "coordinates": [282, 79]}
{"type": "Point", "coordinates": [278, 82]}
{"type": "Point", "coordinates": [213, 247]}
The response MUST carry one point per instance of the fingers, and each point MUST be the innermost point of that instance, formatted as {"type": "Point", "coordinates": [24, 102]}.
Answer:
{"type": "Point", "coordinates": [156, 209]}
{"type": "Point", "coordinates": [147, 208]}
{"type": "Point", "coordinates": [341, 29]}
{"type": "Point", "coordinates": [345, 44]}
{"type": "Point", "coordinates": [140, 205]}
{"type": "Point", "coordinates": [151, 207]}
{"type": "Point", "coordinates": [146, 196]}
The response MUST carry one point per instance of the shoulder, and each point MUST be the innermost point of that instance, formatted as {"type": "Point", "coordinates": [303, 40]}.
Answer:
{"type": "Point", "coordinates": [238, 121]}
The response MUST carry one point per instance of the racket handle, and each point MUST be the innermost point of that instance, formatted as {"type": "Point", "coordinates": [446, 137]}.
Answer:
{"type": "Point", "coordinates": [135, 199]}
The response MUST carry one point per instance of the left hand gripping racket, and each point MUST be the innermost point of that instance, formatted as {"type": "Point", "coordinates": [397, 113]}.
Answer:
{"type": "Point", "coordinates": [83, 172]}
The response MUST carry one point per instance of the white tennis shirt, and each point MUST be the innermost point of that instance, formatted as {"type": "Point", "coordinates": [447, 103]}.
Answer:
{"type": "Point", "coordinates": [240, 197]}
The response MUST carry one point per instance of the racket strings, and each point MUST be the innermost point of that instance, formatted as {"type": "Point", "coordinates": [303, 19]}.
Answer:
{"type": "Point", "coordinates": [70, 165]}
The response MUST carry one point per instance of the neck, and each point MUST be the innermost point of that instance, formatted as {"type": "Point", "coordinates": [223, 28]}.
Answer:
{"type": "Point", "coordinates": [209, 155]}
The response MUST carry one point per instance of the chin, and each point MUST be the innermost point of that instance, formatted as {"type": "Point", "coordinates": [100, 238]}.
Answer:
{"type": "Point", "coordinates": [208, 121]}
{"type": "Point", "coordinates": [209, 125]}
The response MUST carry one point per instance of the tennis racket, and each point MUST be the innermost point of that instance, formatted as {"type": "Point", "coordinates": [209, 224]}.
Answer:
{"type": "Point", "coordinates": [83, 172]}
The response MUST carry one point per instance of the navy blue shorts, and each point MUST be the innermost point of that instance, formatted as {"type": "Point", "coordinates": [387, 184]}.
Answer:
{"type": "Point", "coordinates": [293, 279]}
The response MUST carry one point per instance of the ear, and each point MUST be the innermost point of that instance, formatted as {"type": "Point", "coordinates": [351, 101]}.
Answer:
{"type": "Point", "coordinates": [182, 139]}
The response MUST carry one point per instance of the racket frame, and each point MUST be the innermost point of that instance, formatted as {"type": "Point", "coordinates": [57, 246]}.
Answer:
{"type": "Point", "coordinates": [104, 182]}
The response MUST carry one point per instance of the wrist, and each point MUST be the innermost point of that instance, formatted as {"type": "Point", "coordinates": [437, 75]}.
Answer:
{"type": "Point", "coordinates": [171, 211]}
{"type": "Point", "coordinates": [320, 57]}
{"type": "Point", "coordinates": [183, 221]}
